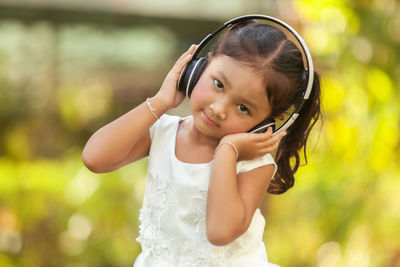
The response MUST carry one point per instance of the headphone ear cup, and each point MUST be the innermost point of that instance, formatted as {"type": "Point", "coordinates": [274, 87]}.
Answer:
{"type": "Point", "coordinates": [191, 75]}
{"type": "Point", "coordinates": [263, 126]}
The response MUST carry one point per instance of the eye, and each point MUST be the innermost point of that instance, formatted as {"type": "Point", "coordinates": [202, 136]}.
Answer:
{"type": "Point", "coordinates": [219, 85]}
{"type": "Point", "coordinates": [242, 109]}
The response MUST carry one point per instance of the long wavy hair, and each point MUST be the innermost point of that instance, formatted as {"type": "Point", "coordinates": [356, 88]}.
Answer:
{"type": "Point", "coordinates": [267, 49]}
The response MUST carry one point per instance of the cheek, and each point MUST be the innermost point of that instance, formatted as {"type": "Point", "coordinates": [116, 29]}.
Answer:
{"type": "Point", "coordinates": [199, 96]}
{"type": "Point", "coordinates": [235, 126]}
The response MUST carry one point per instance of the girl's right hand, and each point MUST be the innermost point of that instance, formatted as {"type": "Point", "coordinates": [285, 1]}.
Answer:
{"type": "Point", "coordinates": [168, 96]}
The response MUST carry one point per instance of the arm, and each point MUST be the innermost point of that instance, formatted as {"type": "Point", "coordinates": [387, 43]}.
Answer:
{"type": "Point", "coordinates": [232, 199]}
{"type": "Point", "coordinates": [122, 141]}
{"type": "Point", "coordinates": [127, 139]}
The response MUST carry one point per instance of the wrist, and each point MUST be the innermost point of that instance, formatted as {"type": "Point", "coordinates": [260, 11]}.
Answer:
{"type": "Point", "coordinates": [228, 144]}
{"type": "Point", "coordinates": [159, 107]}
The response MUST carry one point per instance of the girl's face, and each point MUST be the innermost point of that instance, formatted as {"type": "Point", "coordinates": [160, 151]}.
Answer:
{"type": "Point", "coordinates": [230, 97]}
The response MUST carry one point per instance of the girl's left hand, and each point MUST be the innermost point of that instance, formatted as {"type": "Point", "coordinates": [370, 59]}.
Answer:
{"type": "Point", "coordinates": [253, 145]}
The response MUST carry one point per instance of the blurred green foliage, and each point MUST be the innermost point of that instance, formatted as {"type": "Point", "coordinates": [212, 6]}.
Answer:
{"type": "Point", "coordinates": [60, 84]}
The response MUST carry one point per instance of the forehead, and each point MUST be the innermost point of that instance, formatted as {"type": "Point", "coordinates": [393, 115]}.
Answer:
{"type": "Point", "coordinates": [242, 80]}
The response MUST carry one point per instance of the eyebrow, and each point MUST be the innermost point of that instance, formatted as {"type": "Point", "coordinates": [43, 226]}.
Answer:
{"type": "Point", "coordinates": [249, 103]}
{"type": "Point", "coordinates": [225, 80]}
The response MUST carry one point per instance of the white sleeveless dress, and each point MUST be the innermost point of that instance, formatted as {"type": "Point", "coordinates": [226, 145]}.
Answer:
{"type": "Point", "coordinates": [173, 216]}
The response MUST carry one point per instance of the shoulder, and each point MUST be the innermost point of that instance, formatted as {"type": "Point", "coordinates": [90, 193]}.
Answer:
{"type": "Point", "coordinates": [248, 165]}
{"type": "Point", "coordinates": [165, 122]}
{"type": "Point", "coordinates": [168, 119]}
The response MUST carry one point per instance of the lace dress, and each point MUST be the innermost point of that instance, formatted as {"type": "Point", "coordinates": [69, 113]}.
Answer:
{"type": "Point", "coordinates": [173, 216]}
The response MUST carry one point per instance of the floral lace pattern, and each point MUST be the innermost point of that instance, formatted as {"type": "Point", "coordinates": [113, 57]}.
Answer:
{"type": "Point", "coordinates": [198, 217]}
{"type": "Point", "coordinates": [201, 250]}
{"type": "Point", "coordinates": [150, 215]}
{"type": "Point", "coordinates": [156, 244]}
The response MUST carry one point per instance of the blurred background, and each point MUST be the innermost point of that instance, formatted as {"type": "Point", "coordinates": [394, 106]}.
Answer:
{"type": "Point", "coordinates": [69, 67]}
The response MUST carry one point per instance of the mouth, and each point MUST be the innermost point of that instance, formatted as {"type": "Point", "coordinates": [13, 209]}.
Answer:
{"type": "Point", "coordinates": [208, 120]}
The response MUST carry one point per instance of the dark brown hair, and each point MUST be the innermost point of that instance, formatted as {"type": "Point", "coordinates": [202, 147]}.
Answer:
{"type": "Point", "coordinates": [268, 50]}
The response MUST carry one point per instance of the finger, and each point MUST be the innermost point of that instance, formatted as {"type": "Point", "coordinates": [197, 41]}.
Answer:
{"type": "Point", "coordinates": [269, 131]}
{"type": "Point", "coordinates": [271, 147]}
{"type": "Point", "coordinates": [186, 53]}
{"type": "Point", "coordinates": [279, 135]}
{"type": "Point", "coordinates": [274, 139]}
{"type": "Point", "coordinates": [182, 63]}
{"type": "Point", "coordinates": [179, 98]}
{"type": "Point", "coordinates": [277, 139]}
{"type": "Point", "coordinates": [275, 146]}
{"type": "Point", "coordinates": [183, 60]}
{"type": "Point", "coordinates": [261, 137]}
{"type": "Point", "coordinates": [267, 135]}
{"type": "Point", "coordinates": [192, 48]}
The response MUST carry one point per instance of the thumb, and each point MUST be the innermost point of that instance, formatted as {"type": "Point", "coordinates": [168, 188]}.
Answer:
{"type": "Point", "coordinates": [179, 97]}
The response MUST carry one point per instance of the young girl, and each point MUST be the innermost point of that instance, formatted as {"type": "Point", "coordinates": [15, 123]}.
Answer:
{"type": "Point", "coordinates": [206, 174]}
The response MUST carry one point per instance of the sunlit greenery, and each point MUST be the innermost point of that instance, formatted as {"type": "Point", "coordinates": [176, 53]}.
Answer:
{"type": "Point", "coordinates": [60, 84]}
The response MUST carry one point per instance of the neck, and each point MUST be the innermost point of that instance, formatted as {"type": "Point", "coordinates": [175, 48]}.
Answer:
{"type": "Point", "coordinates": [201, 138]}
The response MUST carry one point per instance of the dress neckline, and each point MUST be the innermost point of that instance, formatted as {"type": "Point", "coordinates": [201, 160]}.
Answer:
{"type": "Point", "coordinates": [174, 147]}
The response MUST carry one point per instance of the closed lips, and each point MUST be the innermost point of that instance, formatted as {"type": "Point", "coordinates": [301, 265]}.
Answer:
{"type": "Point", "coordinates": [209, 121]}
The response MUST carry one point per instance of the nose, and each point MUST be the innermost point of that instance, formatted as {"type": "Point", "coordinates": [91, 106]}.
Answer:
{"type": "Point", "coordinates": [218, 110]}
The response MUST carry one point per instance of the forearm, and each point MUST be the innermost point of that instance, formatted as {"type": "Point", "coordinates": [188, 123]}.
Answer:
{"type": "Point", "coordinates": [226, 211]}
{"type": "Point", "coordinates": [112, 143]}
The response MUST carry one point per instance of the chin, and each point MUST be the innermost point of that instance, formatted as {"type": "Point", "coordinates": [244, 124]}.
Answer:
{"type": "Point", "coordinates": [205, 129]}
{"type": "Point", "coordinates": [209, 132]}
